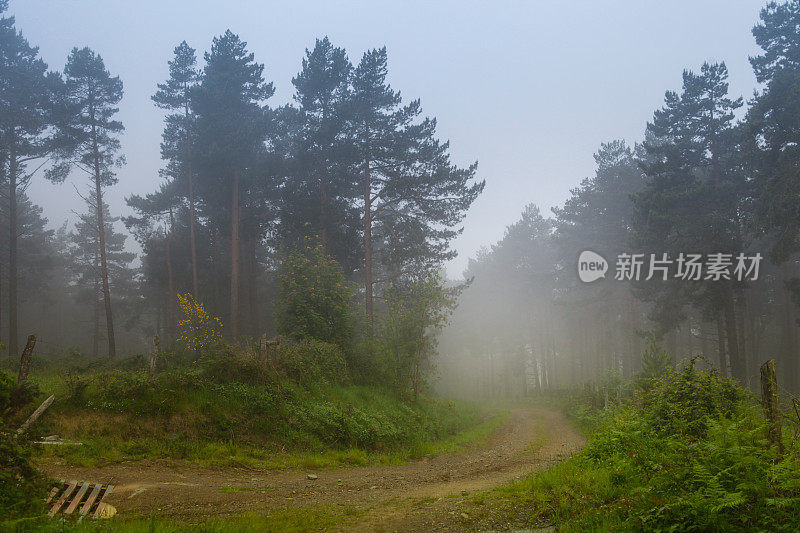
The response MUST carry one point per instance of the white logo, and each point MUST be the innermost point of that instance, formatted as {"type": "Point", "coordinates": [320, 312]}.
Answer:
{"type": "Point", "coordinates": [591, 266]}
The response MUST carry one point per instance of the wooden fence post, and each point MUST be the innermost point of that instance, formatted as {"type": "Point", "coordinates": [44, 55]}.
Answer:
{"type": "Point", "coordinates": [25, 360]}
{"type": "Point", "coordinates": [154, 355]}
{"type": "Point", "coordinates": [770, 401]}
{"type": "Point", "coordinates": [36, 414]}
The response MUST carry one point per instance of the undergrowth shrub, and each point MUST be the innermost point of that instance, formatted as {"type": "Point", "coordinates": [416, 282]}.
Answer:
{"type": "Point", "coordinates": [131, 392]}
{"type": "Point", "coordinates": [308, 362]}
{"type": "Point", "coordinates": [682, 400]}
{"type": "Point", "coordinates": [22, 487]}
{"type": "Point", "coordinates": [689, 454]}
{"type": "Point", "coordinates": [14, 396]}
{"type": "Point", "coordinates": [313, 361]}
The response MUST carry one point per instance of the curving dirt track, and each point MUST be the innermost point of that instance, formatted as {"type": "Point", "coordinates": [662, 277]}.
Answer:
{"type": "Point", "coordinates": [408, 497]}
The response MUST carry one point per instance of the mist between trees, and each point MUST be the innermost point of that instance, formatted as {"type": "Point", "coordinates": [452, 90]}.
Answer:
{"type": "Point", "coordinates": [350, 173]}
{"type": "Point", "coordinates": [353, 179]}
{"type": "Point", "coordinates": [700, 181]}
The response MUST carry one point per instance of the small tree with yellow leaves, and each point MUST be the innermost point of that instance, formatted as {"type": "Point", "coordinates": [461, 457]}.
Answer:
{"type": "Point", "coordinates": [198, 330]}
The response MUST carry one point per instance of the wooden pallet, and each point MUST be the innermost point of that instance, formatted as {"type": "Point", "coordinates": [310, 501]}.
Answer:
{"type": "Point", "coordinates": [84, 497]}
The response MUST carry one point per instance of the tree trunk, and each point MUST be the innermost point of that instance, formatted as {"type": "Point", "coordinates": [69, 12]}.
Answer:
{"type": "Point", "coordinates": [101, 232]}
{"type": "Point", "coordinates": [368, 248]}
{"type": "Point", "coordinates": [771, 403]}
{"type": "Point", "coordinates": [255, 319]}
{"type": "Point", "coordinates": [731, 334]}
{"type": "Point", "coordinates": [787, 326]}
{"type": "Point", "coordinates": [13, 168]}
{"type": "Point", "coordinates": [323, 195]}
{"type": "Point", "coordinates": [171, 284]}
{"type": "Point", "coordinates": [215, 268]}
{"type": "Point", "coordinates": [235, 257]}
{"type": "Point", "coordinates": [96, 320]}
{"type": "Point", "coordinates": [25, 360]}
{"type": "Point", "coordinates": [154, 355]}
{"type": "Point", "coordinates": [740, 329]}
{"type": "Point", "coordinates": [192, 238]}
{"type": "Point", "coordinates": [723, 360]}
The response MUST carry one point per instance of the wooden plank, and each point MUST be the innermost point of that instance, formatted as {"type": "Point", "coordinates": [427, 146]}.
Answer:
{"type": "Point", "coordinates": [63, 498]}
{"type": "Point", "coordinates": [77, 499]}
{"type": "Point", "coordinates": [101, 505]}
{"type": "Point", "coordinates": [90, 500]}
{"type": "Point", "coordinates": [53, 493]}
{"type": "Point", "coordinates": [36, 414]}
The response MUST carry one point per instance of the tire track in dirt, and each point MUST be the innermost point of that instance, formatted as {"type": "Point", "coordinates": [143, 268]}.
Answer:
{"type": "Point", "coordinates": [386, 496]}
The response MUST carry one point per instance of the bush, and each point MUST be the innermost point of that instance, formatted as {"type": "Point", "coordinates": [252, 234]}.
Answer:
{"type": "Point", "coordinates": [123, 392]}
{"type": "Point", "coordinates": [226, 364]}
{"type": "Point", "coordinates": [683, 400]}
{"type": "Point", "coordinates": [307, 362]}
{"type": "Point", "coordinates": [313, 362]}
{"type": "Point", "coordinates": [22, 487]}
{"type": "Point", "coordinates": [14, 396]}
{"type": "Point", "coordinates": [689, 455]}
{"type": "Point", "coordinates": [314, 300]}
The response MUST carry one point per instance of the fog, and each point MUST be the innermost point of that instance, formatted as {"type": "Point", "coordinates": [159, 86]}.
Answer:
{"type": "Point", "coordinates": [528, 89]}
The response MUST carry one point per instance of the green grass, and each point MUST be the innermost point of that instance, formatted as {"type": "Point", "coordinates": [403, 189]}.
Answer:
{"type": "Point", "coordinates": [308, 518]}
{"type": "Point", "coordinates": [124, 416]}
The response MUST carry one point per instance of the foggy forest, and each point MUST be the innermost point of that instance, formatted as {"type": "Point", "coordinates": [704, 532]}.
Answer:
{"type": "Point", "coordinates": [276, 335]}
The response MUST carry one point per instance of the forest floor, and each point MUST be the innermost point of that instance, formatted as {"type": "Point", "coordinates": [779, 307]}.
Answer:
{"type": "Point", "coordinates": [421, 495]}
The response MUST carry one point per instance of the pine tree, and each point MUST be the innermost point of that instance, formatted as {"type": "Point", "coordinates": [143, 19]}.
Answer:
{"type": "Point", "coordinates": [85, 247]}
{"type": "Point", "coordinates": [232, 127]}
{"type": "Point", "coordinates": [156, 222]}
{"type": "Point", "coordinates": [27, 93]}
{"type": "Point", "coordinates": [778, 34]}
{"type": "Point", "coordinates": [318, 198]}
{"type": "Point", "coordinates": [175, 95]}
{"type": "Point", "coordinates": [691, 203]}
{"type": "Point", "coordinates": [412, 196]}
{"type": "Point", "coordinates": [770, 152]}
{"type": "Point", "coordinates": [93, 94]}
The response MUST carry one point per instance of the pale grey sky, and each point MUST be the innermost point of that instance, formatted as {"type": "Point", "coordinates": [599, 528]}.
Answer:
{"type": "Point", "coordinates": [529, 89]}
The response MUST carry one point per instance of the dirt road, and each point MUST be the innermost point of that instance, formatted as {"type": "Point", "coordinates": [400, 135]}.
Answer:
{"type": "Point", "coordinates": [419, 495]}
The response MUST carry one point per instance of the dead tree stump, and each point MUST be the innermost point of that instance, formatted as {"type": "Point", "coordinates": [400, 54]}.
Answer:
{"type": "Point", "coordinates": [25, 360]}
{"type": "Point", "coordinates": [770, 401]}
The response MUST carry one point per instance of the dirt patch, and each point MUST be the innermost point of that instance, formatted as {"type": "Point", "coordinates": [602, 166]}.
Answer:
{"type": "Point", "coordinates": [420, 495]}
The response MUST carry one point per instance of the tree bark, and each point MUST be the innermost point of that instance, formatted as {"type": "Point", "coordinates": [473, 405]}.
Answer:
{"type": "Point", "coordinates": [235, 257]}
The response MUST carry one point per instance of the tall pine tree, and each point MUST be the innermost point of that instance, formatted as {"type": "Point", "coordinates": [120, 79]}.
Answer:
{"type": "Point", "coordinates": [232, 127]}
{"type": "Point", "coordinates": [691, 203]}
{"type": "Point", "coordinates": [413, 197]}
{"type": "Point", "coordinates": [92, 96]}
{"type": "Point", "coordinates": [175, 95]}
{"type": "Point", "coordinates": [318, 198]}
{"type": "Point", "coordinates": [27, 96]}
